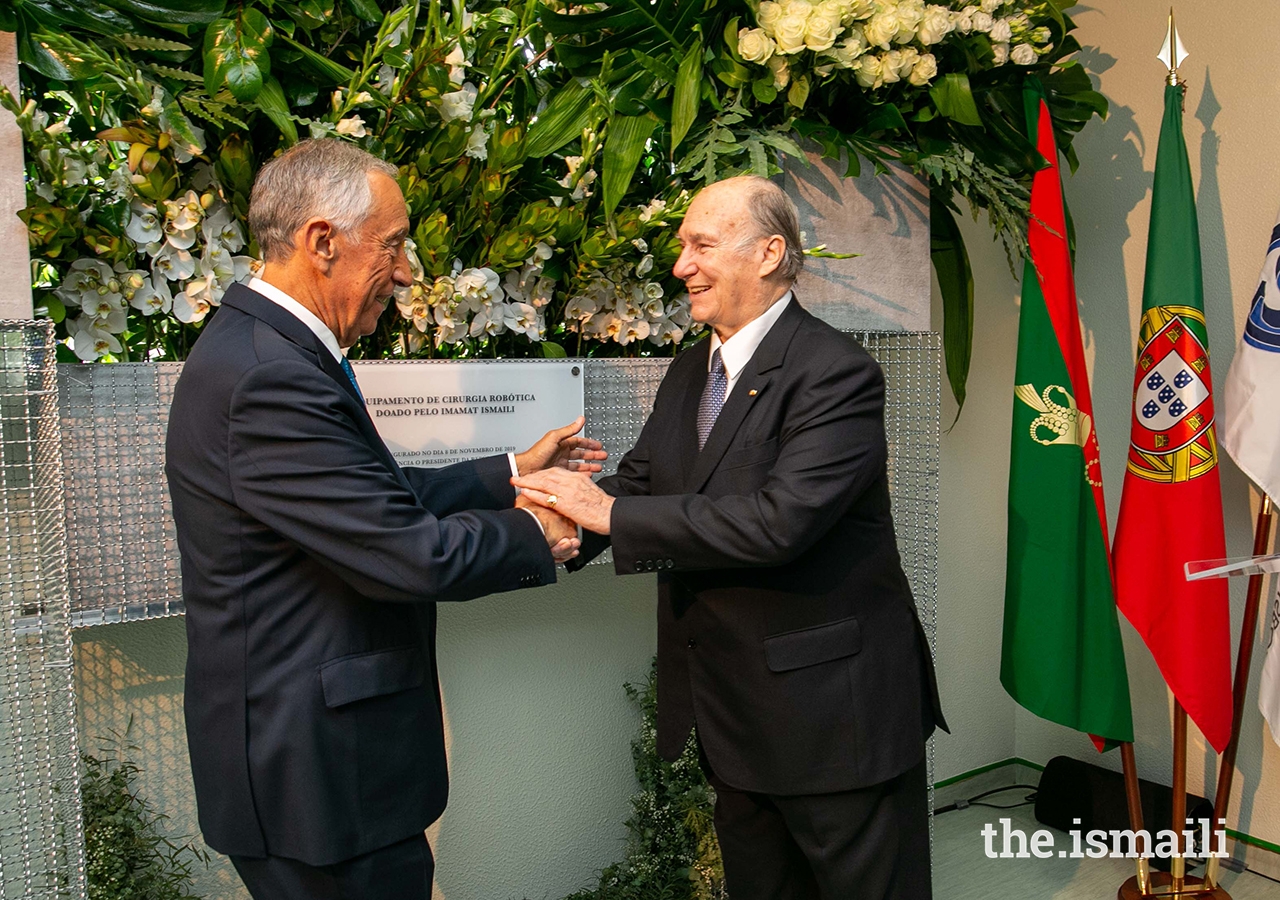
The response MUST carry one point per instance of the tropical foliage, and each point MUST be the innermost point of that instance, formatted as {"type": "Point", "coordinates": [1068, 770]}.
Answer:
{"type": "Point", "coordinates": [547, 149]}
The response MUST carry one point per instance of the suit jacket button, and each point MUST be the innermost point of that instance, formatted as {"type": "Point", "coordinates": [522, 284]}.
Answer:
{"type": "Point", "coordinates": [639, 565]}
{"type": "Point", "coordinates": [692, 643]}
{"type": "Point", "coordinates": [671, 564]}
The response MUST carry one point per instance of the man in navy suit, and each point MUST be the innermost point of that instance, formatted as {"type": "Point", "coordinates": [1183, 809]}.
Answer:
{"type": "Point", "coordinates": [758, 493]}
{"type": "Point", "coordinates": [311, 562]}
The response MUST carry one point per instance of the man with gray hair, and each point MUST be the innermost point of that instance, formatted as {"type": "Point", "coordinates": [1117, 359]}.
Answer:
{"type": "Point", "coordinates": [311, 561]}
{"type": "Point", "coordinates": [786, 629]}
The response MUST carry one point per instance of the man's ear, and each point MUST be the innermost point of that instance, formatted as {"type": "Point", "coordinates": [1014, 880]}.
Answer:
{"type": "Point", "coordinates": [775, 248]}
{"type": "Point", "coordinates": [317, 240]}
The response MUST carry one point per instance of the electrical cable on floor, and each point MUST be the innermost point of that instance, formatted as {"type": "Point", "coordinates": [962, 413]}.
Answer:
{"type": "Point", "coordinates": [973, 801]}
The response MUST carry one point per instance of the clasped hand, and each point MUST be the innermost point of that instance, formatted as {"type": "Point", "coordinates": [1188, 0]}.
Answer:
{"type": "Point", "coordinates": [560, 450]}
{"type": "Point", "coordinates": [571, 494]}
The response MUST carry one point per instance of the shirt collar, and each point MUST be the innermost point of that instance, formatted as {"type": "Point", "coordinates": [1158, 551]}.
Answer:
{"type": "Point", "coordinates": [300, 312]}
{"type": "Point", "coordinates": [736, 352]}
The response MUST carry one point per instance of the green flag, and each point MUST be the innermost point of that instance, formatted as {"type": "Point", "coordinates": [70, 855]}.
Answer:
{"type": "Point", "coordinates": [1062, 657]}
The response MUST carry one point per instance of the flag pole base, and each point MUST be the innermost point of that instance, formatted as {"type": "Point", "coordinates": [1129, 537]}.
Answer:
{"type": "Point", "coordinates": [1161, 888]}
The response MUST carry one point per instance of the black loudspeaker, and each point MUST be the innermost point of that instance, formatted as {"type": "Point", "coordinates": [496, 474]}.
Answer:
{"type": "Point", "coordinates": [1071, 789]}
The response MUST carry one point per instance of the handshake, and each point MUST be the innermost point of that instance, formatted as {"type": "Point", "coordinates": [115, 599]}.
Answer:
{"type": "Point", "coordinates": [555, 486]}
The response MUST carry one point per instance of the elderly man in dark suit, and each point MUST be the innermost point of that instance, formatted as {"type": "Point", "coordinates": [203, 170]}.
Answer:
{"type": "Point", "coordinates": [311, 562]}
{"type": "Point", "coordinates": [786, 629]}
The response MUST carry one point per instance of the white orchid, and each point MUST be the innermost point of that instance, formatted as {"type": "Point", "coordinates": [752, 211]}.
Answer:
{"type": "Point", "coordinates": [174, 264]}
{"type": "Point", "coordinates": [477, 288]}
{"type": "Point", "coordinates": [152, 297]}
{"type": "Point", "coordinates": [488, 321]}
{"type": "Point", "coordinates": [145, 228]}
{"type": "Point", "coordinates": [664, 332]}
{"type": "Point", "coordinates": [580, 307]}
{"type": "Point", "coordinates": [190, 309]}
{"type": "Point", "coordinates": [523, 318]}
{"type": "Point", "coordinates": [458, 104]}
{"type": "Point", "coordinates": [352, 126]}
{"type": "Point", "coordinates": [85, 281]}
{"type": "Point", "coordinates": [221, 228]}
{"type": "Point", "coordinates": [635, 330]}
{"type": "Point", "coordinates": [655, 209]}
{"type": "Point", "coordinates": [91, 341]}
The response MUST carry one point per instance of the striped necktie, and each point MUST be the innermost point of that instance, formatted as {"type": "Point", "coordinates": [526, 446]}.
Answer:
{"type": "Point", "coordinates": [712, 398]}
{"type": "Point", "coordinates": [351, 374]}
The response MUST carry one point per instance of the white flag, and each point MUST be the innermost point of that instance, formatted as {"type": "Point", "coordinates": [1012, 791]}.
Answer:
{"type": "Point", "coordinates": [1251, 415]}
{"type": "Point", "coordinates": [1251, 431]}
{"type": "Point", "coordinates": [1269, 689]}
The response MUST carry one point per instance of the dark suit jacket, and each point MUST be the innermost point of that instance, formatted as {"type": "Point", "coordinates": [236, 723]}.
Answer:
{"type": "Point", "coordinates": [310, 561]}
{"type": "Point", "coordinates": [786, 627]}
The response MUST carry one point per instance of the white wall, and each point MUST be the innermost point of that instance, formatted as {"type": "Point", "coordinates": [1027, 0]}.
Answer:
{"type": "Point", "coordinates": [1232, 134]}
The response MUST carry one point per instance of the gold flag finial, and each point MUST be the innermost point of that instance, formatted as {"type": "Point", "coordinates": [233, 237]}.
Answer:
{"type": "Point", "coordinates": [1172, 53]}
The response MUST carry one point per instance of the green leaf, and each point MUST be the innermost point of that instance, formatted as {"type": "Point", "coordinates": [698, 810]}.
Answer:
{"type": "Point", "coordinates": [684, 109]}
{"type": "Point", "coordinates": [552, 350]}
{"type": "Point", "coordinates": [955, 282]}
{"type": "Point", "coordinates": [623, 147]}
{"type": "Point", "coordinates": [731, 37]}
{"type": "Point", "coordinates": [366, 9]}
{"type": "Point", "coordinates": [235, 55]}
{"type": "Point", "coordinates": [326, 68]}
{"type": "Point", "coordinates": [764, 91]}
{"type": "Point", "coordinates": [142, 42]}
{"type": "Point", "coordinates": [50, 307]}
{"type": "Point", "coordinates": [798, 95]}
{"type": "Point", "coordinates": [562, 121]}
{"type": "Point", "coordinates": [171, 12]}
{"type": "Point", "coordinates": [272, 102]}
{"type": "Point", "coordinates": [954, 99]}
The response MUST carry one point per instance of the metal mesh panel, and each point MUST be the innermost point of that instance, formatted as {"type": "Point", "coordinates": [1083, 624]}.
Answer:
{"type": "Point", "coordinates": [41, 838]}
{"type": "Point", "coordinates": [122, 549]}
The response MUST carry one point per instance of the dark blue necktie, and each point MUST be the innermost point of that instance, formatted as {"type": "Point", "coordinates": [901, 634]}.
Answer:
{"type": "Point", "coordinates": [351, 374]}
{"type": "Point", "coordinates": [712, 398]}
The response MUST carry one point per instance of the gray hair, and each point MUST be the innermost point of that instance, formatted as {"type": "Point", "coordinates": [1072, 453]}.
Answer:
{"type": "Point", "coordinates": [772, 212]}
{"type": "Point", "coordinates": [326, 179]}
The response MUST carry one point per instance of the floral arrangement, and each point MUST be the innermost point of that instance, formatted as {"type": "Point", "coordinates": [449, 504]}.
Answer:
{"type": "Point", "coordinates": [547, 150]}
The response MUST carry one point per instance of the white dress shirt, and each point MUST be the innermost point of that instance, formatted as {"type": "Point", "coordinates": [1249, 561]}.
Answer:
{"type": "Point", "coordinates": [736, 352]}
{"type": "Point", "coordinates": [330, 341]}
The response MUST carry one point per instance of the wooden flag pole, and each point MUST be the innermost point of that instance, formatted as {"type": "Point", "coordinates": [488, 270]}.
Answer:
{"type": "Point", "coordinates": [1179, 869]}
{"type": "Point", "coordinates": [1134, 798]}
{"type": "Point", "coordinates": [1244, 660]}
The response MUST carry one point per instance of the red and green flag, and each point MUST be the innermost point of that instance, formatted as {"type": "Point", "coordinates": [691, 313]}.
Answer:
{"type": "Point", "coordinates": [1062, 657]}
{"type": "Point", "coordinates": [1171, 509]}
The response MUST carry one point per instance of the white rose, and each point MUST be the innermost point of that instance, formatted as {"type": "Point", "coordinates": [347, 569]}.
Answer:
{"type": "Point", "coordinates": [964, 20]}
{"type": "Point", "coordinates": [990, 6]}
{"type": "Point", "coordinates": [910, 13]}
{"type": "Point", "coordinates": [881, 29]}
{"type": "Point", "coordinates": [847, 52]}
{"type": "Point", "coordinates": [860, 9]}
{"type": "Point", "coordinates": [935, 25]}
{"type": "Point", "coordinates": [781, 73]}
{"type": "Point", "coordinates": [1000, 32]}
{"type": "Point", "coordinates": [840, 10]}
{"type": "Point", "coordinates": [925, 69]}
{"type": "Point", "coordinates": [1001, 52]}
{"type": "Point", "coordinates": [458, 104]}
{"type": "Point", "coordinates": [891, 66]}
{"type": "Point", "coordinates": [982, 21]}
{"type": "Point", "coordinates": [768, 15]}
{"type": "Point", "coordinates": [755, 46]}
{"type": "Point", "coordinates": [905, 61]}
{"type": "Point", "coordinates": [1024, 54]}
{"type": "Point", "coordinates": [790, 33]}
{"type": "Point", "coordinates": [820, 33]}
{"type": "Point", "coordinates": [801, 8]}
{"type": "Point", "coordinates": [870, 71]}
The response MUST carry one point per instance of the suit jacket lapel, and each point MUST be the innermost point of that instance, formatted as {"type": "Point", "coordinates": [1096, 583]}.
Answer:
{"type": "Point", "coordinates": [686, 435]}
{"type": "Point", "coordinates": [250, 302]}
{"type": "Point", "coordinates": [747, 390]}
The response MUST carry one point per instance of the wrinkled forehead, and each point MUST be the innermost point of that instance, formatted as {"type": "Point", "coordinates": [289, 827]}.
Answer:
{"type": "Point", "coordinates": [718, 211]}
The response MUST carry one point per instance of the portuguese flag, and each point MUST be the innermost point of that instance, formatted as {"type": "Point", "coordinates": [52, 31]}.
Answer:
{"type": "Point", "coordinates": [1171, 509]}
{"type": "Point", "coordinates": [1062, 657]}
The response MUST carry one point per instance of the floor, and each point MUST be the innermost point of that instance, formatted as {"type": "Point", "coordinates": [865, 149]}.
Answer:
{"type": "Point", "coordinates": [963, 871]}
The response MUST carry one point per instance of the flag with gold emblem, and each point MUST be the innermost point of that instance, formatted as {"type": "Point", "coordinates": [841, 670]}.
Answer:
{"type": "Point", "coordinates": [1171, 507]}
{"type": "Point", "coordinates": [1062, 657]}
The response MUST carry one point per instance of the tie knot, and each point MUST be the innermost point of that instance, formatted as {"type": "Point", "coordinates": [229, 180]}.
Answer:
{"type": "Point", "coordinates": [717, 364]}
